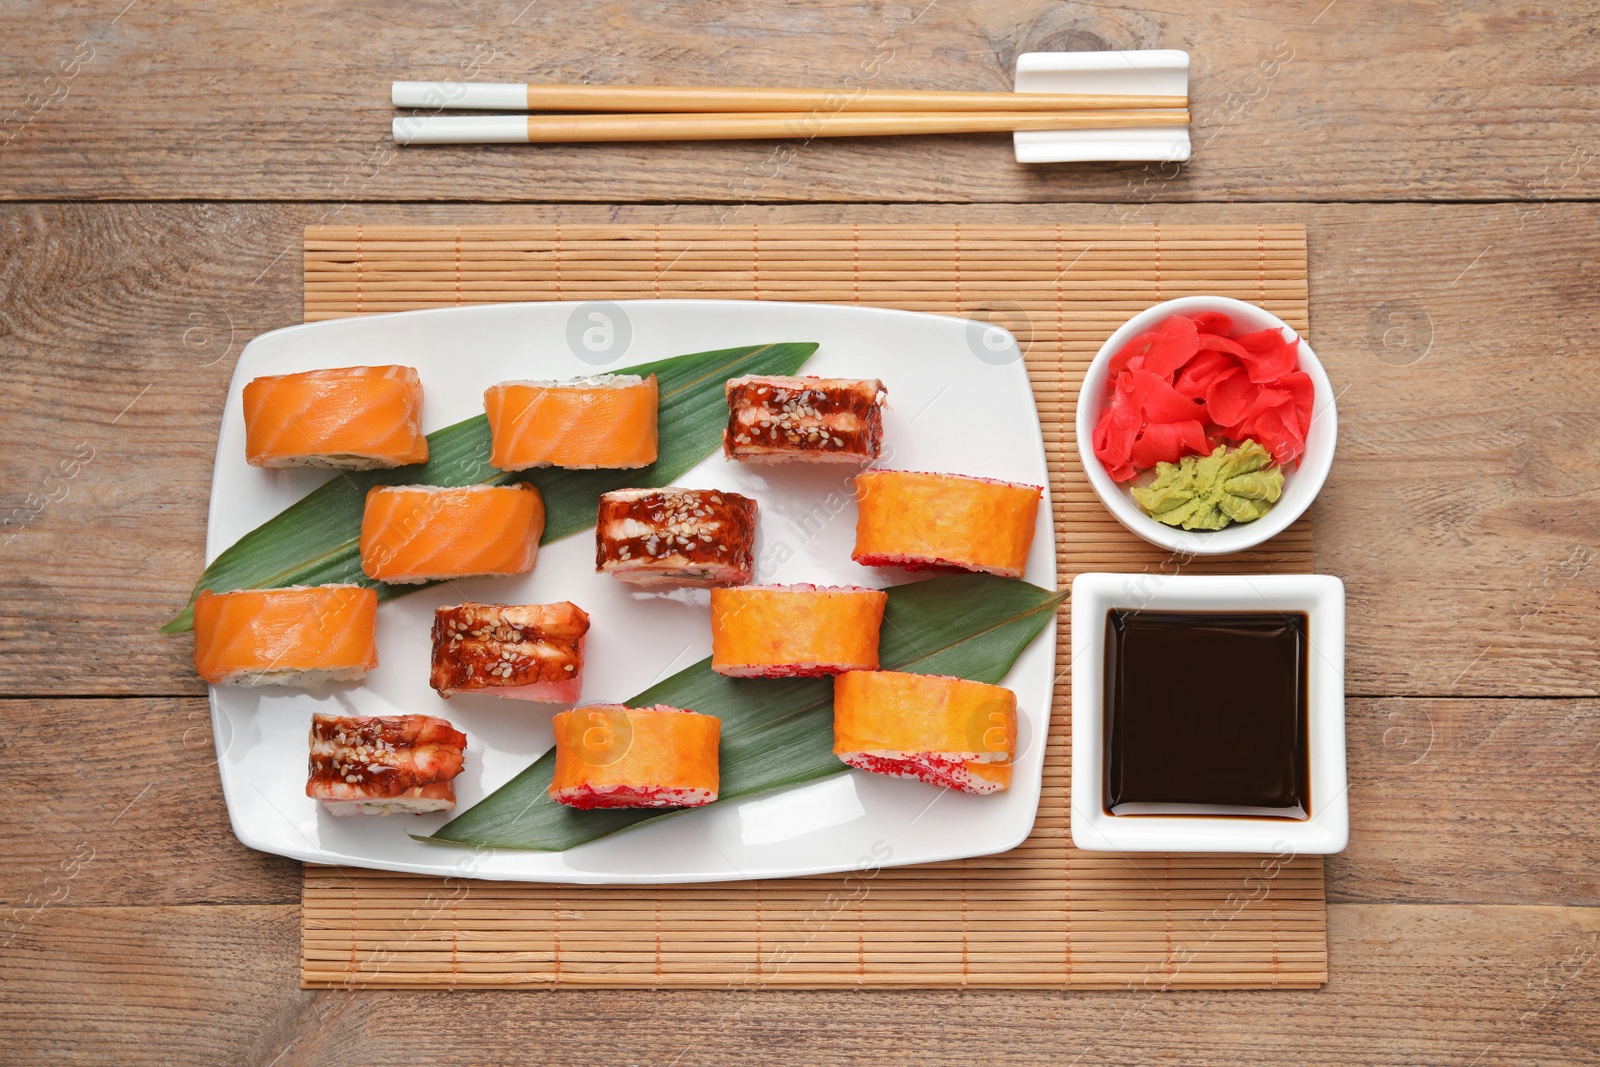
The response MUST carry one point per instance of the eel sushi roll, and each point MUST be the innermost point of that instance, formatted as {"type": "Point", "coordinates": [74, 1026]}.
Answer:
{"type": "Point", "coordinates": [350, 418]}
{"type": "Point", "coordinates": [943, 731]}
{"type": "Point", "coordinates": [944, 521]}
{"type": "Point", "coordinates": [523, 651]}
{"type": "Point", "coordinates": [676, 536]}
{"type": "Point", "coordinates": [301, 636]}
{"type": "Point", "coordinates": [384, 765]}
{"type": "Point", "coordinates": [424, 533]}
{"type": "Point", "coordinates": [795, 631]}
{"type": "Point", "coordinates": [611, 756]}
{"type": "Point", "coordinates": [773, 419]}
{"type": "Point", "coordinates": [608, 420]}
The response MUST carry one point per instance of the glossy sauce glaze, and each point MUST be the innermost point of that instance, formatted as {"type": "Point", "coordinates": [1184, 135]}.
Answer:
{"type": "Point", "coordinates": [1206, 709]}
{"type": "Point", "coordinates": [839, 418]}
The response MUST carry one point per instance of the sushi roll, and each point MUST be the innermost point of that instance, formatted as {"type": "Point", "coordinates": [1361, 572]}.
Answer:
{"type": "Point", "coordinates": [300, 636]}
{"type": "Point", "coordinates": [795, 631]}
{"type": "Point", "coordinates": [605, 421]}
{"type": "Point", "coordinates": [425, 533]}
{"type": "Point", "coordinates": [774, 419]}
{"type": "Point", "coordinates": [388, 765]}
{"type": "Point", "coordinates": [350, 418]}
{"type": "Point", "coordinates": [943, 731]}
{"type": "Point", "coordinates": [611, 756]}
{"type": "Point", "coordinates": [944, 521]}
{"type": "Point", "coordinates": [523, 651]}
{"type": "Point", "coordinates": [676, 537]}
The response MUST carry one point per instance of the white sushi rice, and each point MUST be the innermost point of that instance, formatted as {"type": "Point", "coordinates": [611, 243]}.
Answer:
{"type": "Point", "coordinates": [294, 677]}
{"type": "Point", "coordinates": [401, 805]}
{"type": "Point", "coordinates": [593, 381]}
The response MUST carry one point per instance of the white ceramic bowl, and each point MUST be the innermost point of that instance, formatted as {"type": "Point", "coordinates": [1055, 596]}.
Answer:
{"type": "Point", "coordinates": [1321, 598]}
{"type": "Point", "coordinates": [1301, 483]}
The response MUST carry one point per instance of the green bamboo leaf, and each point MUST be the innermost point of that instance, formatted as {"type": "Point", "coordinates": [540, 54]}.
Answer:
{"type": "Point", "coordinates": [315, 541]}
{"type": "Point", "coordinates": [779, 732]}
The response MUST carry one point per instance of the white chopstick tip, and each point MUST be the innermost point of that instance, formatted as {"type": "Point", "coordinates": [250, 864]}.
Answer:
{"type": "Point", "coordinates": [436, 96]}
{"type": "Point", "coordinates": [461, 129]}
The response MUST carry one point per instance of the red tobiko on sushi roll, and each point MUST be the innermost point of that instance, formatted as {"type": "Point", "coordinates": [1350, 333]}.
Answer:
{"type": "Point", "coordinates": [1178, 389]}
{"type": "Point", "coordinates": [612, 756]}
{"type": "Point", "coordinates": [795, 631]}
{"type": "Point", "coordinates": [944, 522]}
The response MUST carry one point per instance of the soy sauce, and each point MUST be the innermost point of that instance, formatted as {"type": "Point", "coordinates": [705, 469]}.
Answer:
{"type": "Point", "coordinates": [1206, 709]}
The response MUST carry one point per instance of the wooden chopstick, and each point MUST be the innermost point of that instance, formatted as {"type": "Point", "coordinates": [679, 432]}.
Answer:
{"type": "Point", "coordinates": [724, 99]}
{"type": "Point", "coordinates": [548, 129]}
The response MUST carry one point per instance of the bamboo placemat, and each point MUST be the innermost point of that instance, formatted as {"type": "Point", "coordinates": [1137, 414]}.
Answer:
{"type": "Point", "coordinates": [1041, 915]}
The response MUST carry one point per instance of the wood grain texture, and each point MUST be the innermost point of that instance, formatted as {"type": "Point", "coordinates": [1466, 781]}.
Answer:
{"type": "Point", "coordinates": [1293, 99]}
{"type": "Point", "coordinates": [1449, 985]}
{"type": "Point", "coordinates": [1442, 345]}
{"type": "Point", "coordinates": [1460, 801]}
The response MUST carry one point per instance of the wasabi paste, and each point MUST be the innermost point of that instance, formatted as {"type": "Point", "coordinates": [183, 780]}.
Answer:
{"type": "Point", "coordinates": [1208, 492]}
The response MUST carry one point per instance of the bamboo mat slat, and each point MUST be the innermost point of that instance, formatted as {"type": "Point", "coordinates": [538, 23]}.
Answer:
{"type": "Point", "coordinates": [1041, 915]}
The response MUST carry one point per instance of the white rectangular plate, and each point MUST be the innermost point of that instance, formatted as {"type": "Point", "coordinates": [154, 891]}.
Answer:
{"type": "Point", "coordinates": [959, 402]}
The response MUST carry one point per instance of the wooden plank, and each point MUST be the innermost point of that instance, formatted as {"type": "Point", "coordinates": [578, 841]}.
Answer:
{"type": "Point", "coordinates": [123, 807]}
{"type": "Point", "coordinates": [1411, 984]}
{"type": "Point", "coordinates": [1293, 99]}
{"type": "Point", "coordinates": [1461, 801]}
{"type": "Point", "coordinates": [1441, 344]}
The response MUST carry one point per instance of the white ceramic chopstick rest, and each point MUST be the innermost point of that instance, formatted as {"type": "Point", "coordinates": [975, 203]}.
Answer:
{"type": "Point", "coordinates": [1155, 71]}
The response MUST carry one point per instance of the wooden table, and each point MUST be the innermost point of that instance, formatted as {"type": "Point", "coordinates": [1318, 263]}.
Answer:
{"type": "Point", "coordinates": [159, 168]}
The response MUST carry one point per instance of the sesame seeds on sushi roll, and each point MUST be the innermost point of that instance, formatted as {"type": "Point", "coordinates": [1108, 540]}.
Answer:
{"type": "Point", "coordinates": [300, 636]}
{"type": "Point", "coordinates": [424, 533]}
{"type": "Point", "coordinates": [936, 729]}
{"type": "Point", "coordinates": [613, 756]}
{"type": "Point", "coordinates": [922, 521]}
{"type": "Point", "coordinates": [792, 631]}
{"type": "Point", "coordinates": [603, 421]}
{"type": "Point", "coordinates": [348, 418]}
{"type": "Point", "coordinates": [775, 419]}
{"type": "Point", "coordinates": [673, 536]}
{"type": "Point", "coordinates": [521, 651]}
{"type": "Point", "coordinates": [384, 765]}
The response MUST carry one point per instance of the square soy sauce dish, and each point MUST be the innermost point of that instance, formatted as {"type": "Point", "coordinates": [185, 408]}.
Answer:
{"type": "Point", "coordinates": [1208, 714]}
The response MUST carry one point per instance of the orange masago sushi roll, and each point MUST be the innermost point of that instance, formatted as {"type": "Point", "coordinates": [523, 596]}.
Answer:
{"type": "Point", "coordinates": [425, 533]}
{"type": "Point", "coordinates": [790, 631]}
{"type": "Point", "coordinates": [605, 421]}
{"type": "Point", "coordinates": [611, 756]}
{"type": "Point", "coordinates": [351, 418]}
{"type": "Point", "coordinates": [925, 521]}
{"type": "Point", "coordinates": [301, 636]}
{"type": "Point", "coordinates": [943, 731]}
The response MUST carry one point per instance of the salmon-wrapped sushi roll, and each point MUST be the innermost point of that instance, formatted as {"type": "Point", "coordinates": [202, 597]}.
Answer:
{"type": "Point", "coordinates": [605, 421]}
{"type": "Point", "coordinates": [939, 730]}
{"type": "Point", "coordinates": [524, 651]}
{"type": "Point", "coordinates": [944, 521]}
{"type": "Point", "coordinates": [300, 636]}
{"type": "Point", "coordinates": [789, 631]}
{"type": "Point", "coordinates": [352, 418]}
{"type": "Point", "coordinates": [384, 765]}
{"type": "Point", "coordinates": [775, 419]}
{"type": "Point", "coordinates": [611, 756]}
{"type": "Point", "coordinates": [676, 536]}
{"type": "Point", "coordinates": [425, 533]}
